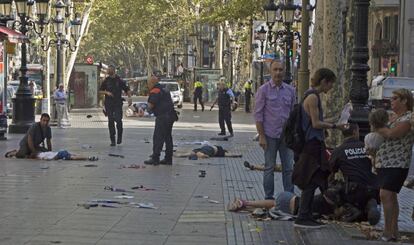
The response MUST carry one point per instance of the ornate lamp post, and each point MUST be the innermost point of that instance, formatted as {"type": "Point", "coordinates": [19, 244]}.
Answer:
{"type": "Point", "coordinates": [273, 14]}
{"type": "Point", "coordinates": [23, 103]}
{"type": "Point", "coordinates": [359, 68]}
{"type": "Point", "coordinates": [262, 38]}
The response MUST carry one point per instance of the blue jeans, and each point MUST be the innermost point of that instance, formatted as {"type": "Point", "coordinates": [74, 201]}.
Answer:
{"type": "Point", "coordinates": [286, 155]}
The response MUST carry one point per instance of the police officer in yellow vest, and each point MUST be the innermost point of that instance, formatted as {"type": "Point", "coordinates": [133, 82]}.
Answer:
{"type": "Point", "coordinates": [247, 94]}
{"type": "Point", "coordinates": [198, 94]}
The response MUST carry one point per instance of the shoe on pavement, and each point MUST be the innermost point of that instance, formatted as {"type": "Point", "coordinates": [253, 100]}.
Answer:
{"type": "Point", "coordinates": [93, 158]}
{"type": "Point", "coordinates": [248, 165]}
{"type": "Point", "coordinates": [151, 161]}
{"type": "Point", "coordinates": [113, 144]}
{"type": "Point", "coordinates": [119, 141]}
{"type": "Point", "coordinates": [307, 224]}
{"type": "Point", "coordinates": [166, 162]}
{"type": "Point", "coordinates": [373, 213]}
{"type": "Point", "coordinates": [231, 135]}
{"type": "Point", "coordinates": [222, 133]}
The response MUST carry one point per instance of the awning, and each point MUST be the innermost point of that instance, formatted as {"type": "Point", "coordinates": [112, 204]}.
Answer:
{"type": "Point", "coordinates": [12, 35]}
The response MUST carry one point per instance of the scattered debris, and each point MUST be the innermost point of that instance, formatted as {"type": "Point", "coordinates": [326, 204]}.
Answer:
{"type": "Point", "coordinates": [86, 146]}
{"type": "Point", "coordinates": [108, 206]}
{"type": "Point", "coordinates": [201, 173]}
{"type": "Point", "coordinates": [116, 155]}
{"type": "Point", "coordinates": [201, 196]}
{"type": "Point", "coordinates": [124, 197]}
{"type": "Point", "coordinates": [146, 205]}
{"type": "Point", "coordinates": [111, 188]}
{"type": "Point", "coordinates": [91, 165]}
{"type": "Point", "coordinates": [142, 188]}
{"type": "Point", "coordinates": [88, 205]}
{"type": "Point", "coordinates": [44, 167]}
{"type": "Point", "coordinates": [213, 201]}
{"type": "Point", "coordinates": [89, 116]}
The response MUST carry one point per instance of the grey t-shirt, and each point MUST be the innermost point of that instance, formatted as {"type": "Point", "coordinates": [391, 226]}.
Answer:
{"type": "Point", "coordinates": [38, 134]}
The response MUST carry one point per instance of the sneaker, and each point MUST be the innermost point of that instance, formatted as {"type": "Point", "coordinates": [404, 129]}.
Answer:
{"type": "Point", "coordinates": [151, 161]}
{"type": "Point", "coordinates": [248, 165]}
{"type": "Point", "coordinates": [221, 134]}
{"type": "Point", "coordinates": [307, 224]}
{"type": "Point", "coordinates": [113, 144]}
{"type": "Point", "coordinates": [166, 162]}
{"type": "Point", "coordinates": [231, 135]}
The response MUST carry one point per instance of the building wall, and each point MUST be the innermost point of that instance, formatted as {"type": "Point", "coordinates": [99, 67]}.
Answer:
{"type": "Point", "coordinates": [407, 38]}
{"type": "Point", "coordinates": [379, 37]}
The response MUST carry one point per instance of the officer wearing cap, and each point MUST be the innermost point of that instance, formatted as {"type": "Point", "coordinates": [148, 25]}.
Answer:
{"type": "Point", "coordinates": [225, 100]}
{"type": "Point", "coordinates": [198, 94]}
{"type": "Point", "coordinates": [160, 103]}
{"type": "Point", "coordinates": [112, 88]}
{"type": "Point", "coordinates": [247, 94]}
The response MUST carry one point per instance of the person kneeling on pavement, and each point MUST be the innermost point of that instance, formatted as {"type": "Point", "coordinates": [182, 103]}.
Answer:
{"type": "Point", "coordinates": [34, 140]}
{"type": "Point", "coordinates": [361, 188]}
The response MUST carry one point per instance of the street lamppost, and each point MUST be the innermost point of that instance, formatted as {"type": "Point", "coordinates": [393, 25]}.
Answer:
{"type": "Point", "coordinates": [273, 14]}
{"type": "Point", "coordinates": [359, 68]}
{"type": "Point", "coordinates": [60, 40]}
{"type": "Point", "coordinates": [262, 38]}
{"type": "Point", "coordinates": [23, 103]}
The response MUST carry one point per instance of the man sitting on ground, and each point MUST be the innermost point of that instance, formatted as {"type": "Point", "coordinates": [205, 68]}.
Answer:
{"type": "Point", "coordinates": [33, 142]}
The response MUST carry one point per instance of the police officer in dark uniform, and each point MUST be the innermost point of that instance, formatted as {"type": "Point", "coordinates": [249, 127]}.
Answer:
{"type": "Point", "coordinates": [225, 100]}
{"type": "Point", "coordinates": [160, 102]}
{"type": "Point", "coordinates": [361, 186]}
{"type": "Point", "coordinates": [112, 88]}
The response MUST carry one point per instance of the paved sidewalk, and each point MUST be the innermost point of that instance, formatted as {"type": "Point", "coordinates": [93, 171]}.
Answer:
{"type": "Point", "coordinates": [40, 199]}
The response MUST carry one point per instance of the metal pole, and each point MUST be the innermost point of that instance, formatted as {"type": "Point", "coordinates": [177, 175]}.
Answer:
{"type": "Point", "coordinates": [303, 73]}
{"type": "Point", "coordinates": [23, 103]}
{"type": "Point", "coordinates": [231, 69]}
{"type": "Point", "coordinates": [261, 64]}
{"type": "Point", "coordinates": [359, 68]}
{"type": "Point", "coordinates": [288, 73]}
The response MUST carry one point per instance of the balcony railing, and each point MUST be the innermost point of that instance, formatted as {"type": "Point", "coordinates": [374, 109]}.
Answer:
{"type": "Point", "coordinates": [384, 48]}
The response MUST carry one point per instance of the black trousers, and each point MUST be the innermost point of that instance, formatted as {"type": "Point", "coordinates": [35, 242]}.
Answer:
{"type": "Point", "coordinates": [163, 134]}
{"type": "Point", "coordinates": [198, 97]}
{"type": "Point", "coordinates": [114, 114]}
{"type": "Point", "coordinates": [225, 116]}
{"type": "Point", "coordinates": [247, 97]}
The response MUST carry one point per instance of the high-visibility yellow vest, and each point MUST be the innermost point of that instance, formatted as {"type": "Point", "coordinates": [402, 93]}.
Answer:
{"type": "Point", "coordinates": [247, 85]}
{"type": "Point", "coordinates": [198, 84]}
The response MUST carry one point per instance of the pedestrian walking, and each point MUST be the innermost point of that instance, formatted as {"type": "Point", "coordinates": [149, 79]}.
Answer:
{"type": "Point", "coordinates": [225, 100]}
{"type": "Point", "coordinates": [393, 159]}
{"type": "Point", "coordinates": [160, 103]}
{"type": "Point", "coordinates": [274, 101]}
{"type": "Point", "coordinates": [60, 98]}
{"type": "Point", "coordinates": [247, 95]}
{"type": "Point", "coordinates": [312, 168]}
{"type": "Point", "coordinates": [112, 88]}
{"type": "Point", "coordinates": [198, 94]}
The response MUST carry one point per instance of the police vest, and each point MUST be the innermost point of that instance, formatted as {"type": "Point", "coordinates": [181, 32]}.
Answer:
{"type": "Point", "coordinates": [224, 100]}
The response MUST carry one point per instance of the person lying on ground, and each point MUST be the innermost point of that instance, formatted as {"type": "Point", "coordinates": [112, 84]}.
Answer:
{"type": "Point", "coordinates": [261, 167]}
{"type": "Point", "coordinates": [206, 151]}
{"type": "Point", "coordinates": [33, 142]}
{"type": "Point", "coordinates": [53, 155]}
{"type": "Point", "coordinates": [139, 109]}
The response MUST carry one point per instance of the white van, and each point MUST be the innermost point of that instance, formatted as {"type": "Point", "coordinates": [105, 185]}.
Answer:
{"type": "Point", "coordinates": [381, 91]}
{"type": "Point", "coordinates": [176, 92]}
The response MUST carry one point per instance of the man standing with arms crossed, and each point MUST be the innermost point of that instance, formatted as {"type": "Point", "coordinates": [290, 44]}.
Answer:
{"type": "Point", "coordinates": [274, 101]}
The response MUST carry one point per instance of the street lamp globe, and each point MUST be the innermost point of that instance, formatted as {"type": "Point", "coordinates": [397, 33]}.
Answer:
{"type": "Point", "coordinates": [60, 8]}
{"type": "Point", "coordinates": [262, 34]}
{"type": "Point", "coordinates": [42, 7]}
{"type": "Point", "coordinates": [270, 12]}
{"type": "Point", "coordinates": [5, 7]}
{"type": "Point", "coordinates": [289, 13]}
{"type": "Point", "coordinates": [22, 7]}
{"type": "Point", "coordinates": [76, 24]}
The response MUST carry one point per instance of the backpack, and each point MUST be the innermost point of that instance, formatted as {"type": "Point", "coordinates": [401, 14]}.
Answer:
{"type": "Point", "coordinates": [293, 135]}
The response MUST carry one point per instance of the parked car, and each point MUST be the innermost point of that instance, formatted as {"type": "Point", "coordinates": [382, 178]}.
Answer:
{"type": "Point", "coordinates": [175, 91]}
